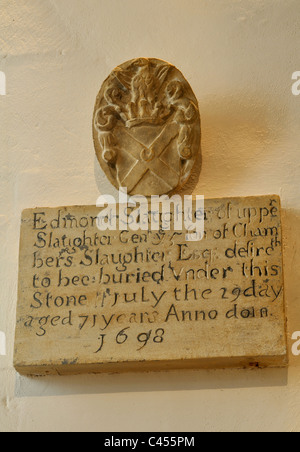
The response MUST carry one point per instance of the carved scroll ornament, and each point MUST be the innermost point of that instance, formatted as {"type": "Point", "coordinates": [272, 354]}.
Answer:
{"type": "Point", "coordinates": [147, 127]}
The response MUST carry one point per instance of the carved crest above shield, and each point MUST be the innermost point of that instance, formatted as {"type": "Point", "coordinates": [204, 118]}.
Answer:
{"type": "Point", "coordinates": [147, 128]}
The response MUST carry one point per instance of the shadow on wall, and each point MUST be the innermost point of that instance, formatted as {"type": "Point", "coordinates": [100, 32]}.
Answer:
{"type": "Point", "coordinates": [191, 380]}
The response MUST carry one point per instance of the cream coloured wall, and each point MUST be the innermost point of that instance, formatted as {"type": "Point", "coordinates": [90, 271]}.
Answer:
{"type": "Point", "coordinates": [239, 56]}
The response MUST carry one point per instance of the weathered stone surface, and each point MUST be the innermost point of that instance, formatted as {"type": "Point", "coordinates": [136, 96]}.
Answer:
{"type": "Point", "coordinates": [92, 301]}
{"type": "Point", "coordinates": [147, 128]}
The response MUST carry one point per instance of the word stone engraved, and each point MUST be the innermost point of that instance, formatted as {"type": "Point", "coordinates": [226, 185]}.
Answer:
{"type": "Point", "coordinates": [147, 128]}
{"type": "Point", "coordinates": [92, 301]}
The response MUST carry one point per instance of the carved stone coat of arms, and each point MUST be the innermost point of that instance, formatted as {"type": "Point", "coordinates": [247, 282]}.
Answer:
{"type": "Point", "coordinates": [147, 127]}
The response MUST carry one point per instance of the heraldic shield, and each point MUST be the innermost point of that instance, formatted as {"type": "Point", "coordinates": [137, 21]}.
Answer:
{"type": "Point", "coordinates": [147, 128]}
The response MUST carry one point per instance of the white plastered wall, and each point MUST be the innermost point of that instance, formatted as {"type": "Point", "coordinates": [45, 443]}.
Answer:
{"type": "Point", "coordinates": [239, 57]}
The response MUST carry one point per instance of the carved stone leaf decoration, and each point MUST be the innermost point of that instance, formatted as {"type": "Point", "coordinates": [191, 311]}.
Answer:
{"type": "Point", "coordinates": [147, 128]}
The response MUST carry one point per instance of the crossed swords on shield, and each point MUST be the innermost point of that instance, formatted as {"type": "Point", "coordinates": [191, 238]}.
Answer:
{"type": "Point", "coordinates": [148, 158]}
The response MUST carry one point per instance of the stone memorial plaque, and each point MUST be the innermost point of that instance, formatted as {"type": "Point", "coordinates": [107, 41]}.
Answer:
{"type": "Point", "coordinates": [113, 301]}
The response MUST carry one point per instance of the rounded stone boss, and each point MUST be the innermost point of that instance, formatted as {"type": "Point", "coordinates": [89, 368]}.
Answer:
{"type": "Point", "coordinates": [146, 128]}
